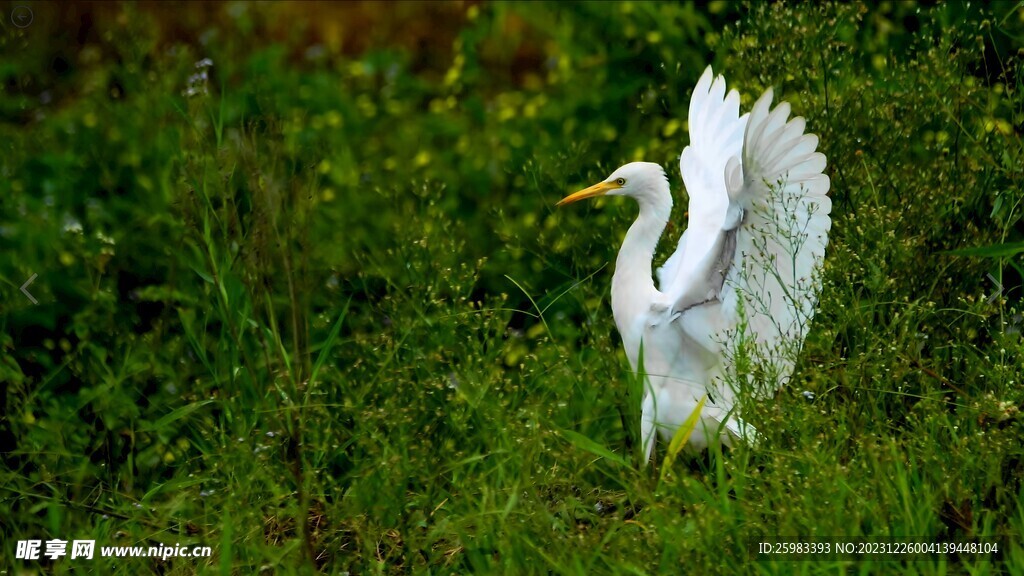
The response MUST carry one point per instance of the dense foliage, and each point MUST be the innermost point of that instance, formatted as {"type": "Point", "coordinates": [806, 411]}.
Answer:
{"type": "Point", "coordinates": [309, 301]}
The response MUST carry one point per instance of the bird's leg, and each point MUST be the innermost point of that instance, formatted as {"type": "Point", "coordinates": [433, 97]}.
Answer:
{"type": "Point", "coordinates": [648, 416]}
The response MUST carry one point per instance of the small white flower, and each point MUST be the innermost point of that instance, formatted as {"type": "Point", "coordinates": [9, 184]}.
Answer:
{"type": "Point", "coordinates": [72, 225]}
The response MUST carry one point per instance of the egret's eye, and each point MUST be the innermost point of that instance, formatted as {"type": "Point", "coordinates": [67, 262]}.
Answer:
{"type": "Point", "coordinates": [621, 181]}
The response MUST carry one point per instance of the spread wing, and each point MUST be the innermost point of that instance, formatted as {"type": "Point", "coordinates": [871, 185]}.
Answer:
{"type": "Point", "coordinates": [716, 134]}
{"type": "Point", "coordinates": [746, 268]}
{"type": "Point", "coordinates": [772, 286]}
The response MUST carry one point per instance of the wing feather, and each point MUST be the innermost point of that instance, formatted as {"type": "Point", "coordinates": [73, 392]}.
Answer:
{"type": "Point", "coordinates": [716, 134]}
{"type": "Point", "coordinates": [772, 286]}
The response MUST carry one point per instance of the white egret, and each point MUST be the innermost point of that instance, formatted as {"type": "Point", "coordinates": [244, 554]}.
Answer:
{"type": "Point", "coordinates": [742, 282]}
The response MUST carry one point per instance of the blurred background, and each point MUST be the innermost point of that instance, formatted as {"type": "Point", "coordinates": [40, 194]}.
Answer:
{"type": "Point", "coordinates": [302, 293]}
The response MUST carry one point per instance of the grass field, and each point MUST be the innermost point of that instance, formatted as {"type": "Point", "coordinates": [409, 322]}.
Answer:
{"type": "Point", "coordinates": [304, 296]}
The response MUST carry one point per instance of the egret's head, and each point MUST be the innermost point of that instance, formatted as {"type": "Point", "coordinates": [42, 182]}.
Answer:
{"type": "Point", "coordinates": [637, 180]}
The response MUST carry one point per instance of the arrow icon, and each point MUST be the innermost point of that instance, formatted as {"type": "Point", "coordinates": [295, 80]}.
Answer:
{"type": "Point", "coordinates": [21, 16]}
{"type": "Point", "coordinates": [24, 288]}
{"type": "Point", "coordinates": [999, 289]}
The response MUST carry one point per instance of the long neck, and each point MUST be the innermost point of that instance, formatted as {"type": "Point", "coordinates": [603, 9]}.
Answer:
{"type": "Point", "coordinates": [633, 284]}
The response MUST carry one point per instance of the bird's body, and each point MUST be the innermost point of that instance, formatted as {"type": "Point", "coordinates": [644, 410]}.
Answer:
{"type": "Point", "coordinates": [742, 282]}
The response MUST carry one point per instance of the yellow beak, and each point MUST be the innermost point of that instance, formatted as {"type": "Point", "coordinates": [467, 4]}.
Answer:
{"type": "Point", "coordinates": [599, 189]}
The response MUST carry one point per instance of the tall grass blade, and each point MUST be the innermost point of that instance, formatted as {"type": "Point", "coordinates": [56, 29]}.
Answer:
{"type": "Point", "coordinates": [584, 443]}
{"type": "Point", "coordinates": [681, 437]}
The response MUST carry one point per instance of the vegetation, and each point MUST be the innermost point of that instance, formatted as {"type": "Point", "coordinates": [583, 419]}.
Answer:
{"type": "Point", "coordinates": [310, 303]}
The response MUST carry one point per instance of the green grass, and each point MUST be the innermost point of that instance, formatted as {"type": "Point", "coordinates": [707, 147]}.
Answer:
{"type": "Point", "coordinates": [323, 315]}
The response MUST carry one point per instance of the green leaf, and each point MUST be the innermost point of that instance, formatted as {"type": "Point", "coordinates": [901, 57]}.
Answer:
{"type": "Point", "coordinates": [325, 350]}
{"type": "Point", "coordinates": [173, 415]}
{"type": "Point", "coordinates": [1005, 250]}
{"type": "Point", "coordinates": [584, 443]}
{"type": "Point", "coordinates": [681, 436]}
{"type": "Point", "coordinates": [226, 540]}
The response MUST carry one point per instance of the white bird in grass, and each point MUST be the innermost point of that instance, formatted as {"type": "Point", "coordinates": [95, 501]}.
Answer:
{"type": "Point", "coordinates": [740, 289]}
